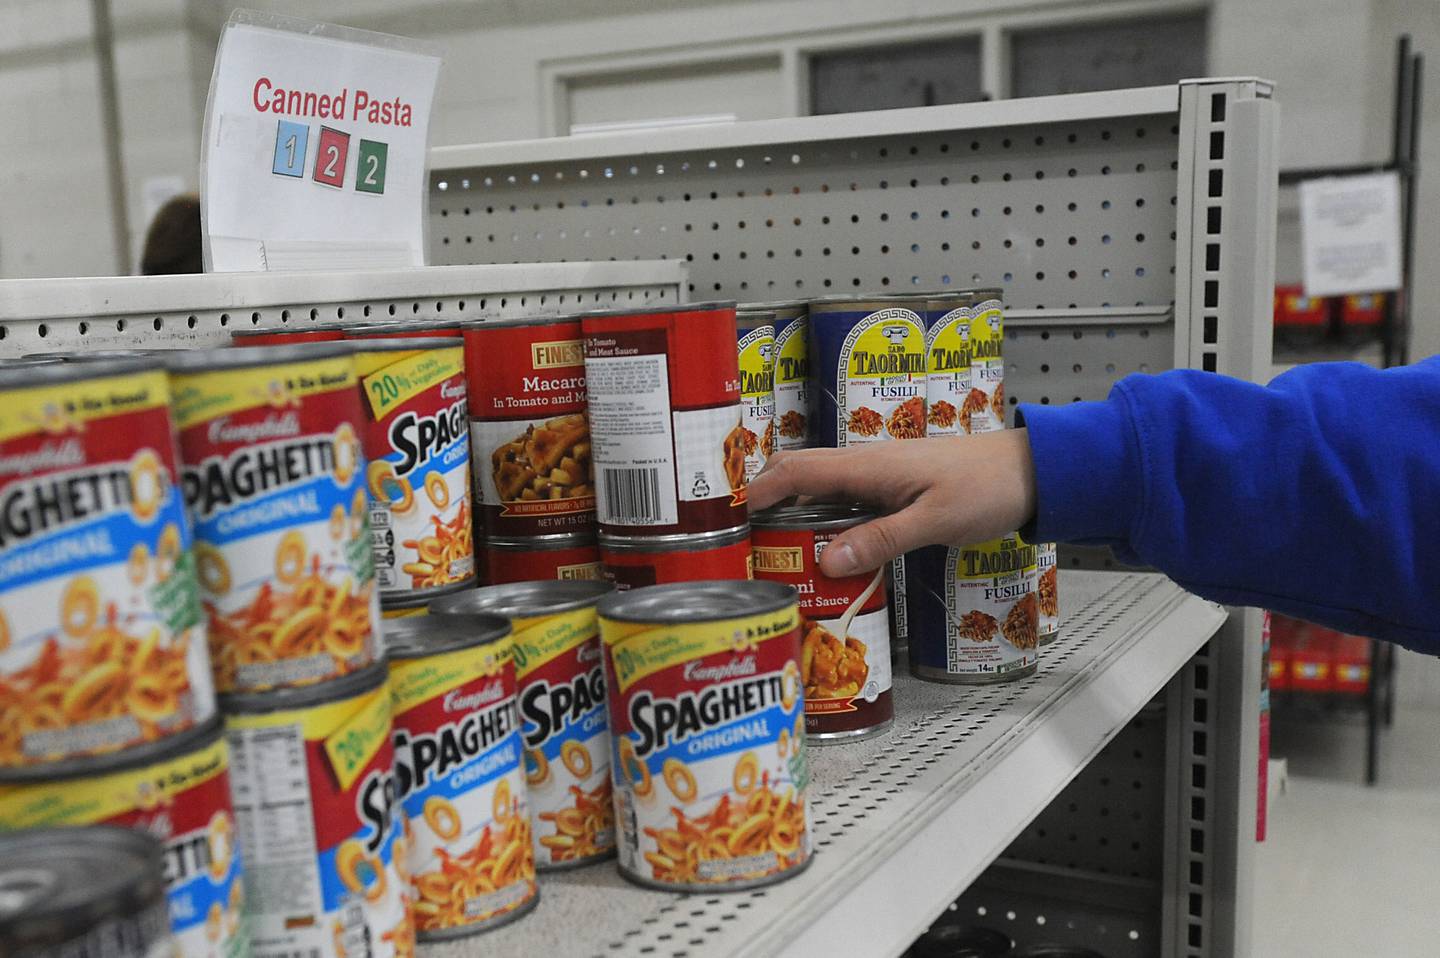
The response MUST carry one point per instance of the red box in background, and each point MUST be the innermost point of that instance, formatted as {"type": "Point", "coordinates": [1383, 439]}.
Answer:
{"type": "Point", "coordinates": [1294, 310]}
{"type": "Point", "coordinates": [1350, 665]}
{"type": "Point", "coordinates": [1362, 310]}
{"type": "Point", "coordinates": [1282, 643]}
{"type": "Point", "coordinates": [1311, 658]}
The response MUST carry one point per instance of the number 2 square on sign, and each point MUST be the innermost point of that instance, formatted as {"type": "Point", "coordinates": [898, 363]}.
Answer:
{"type": "Point", "coordinates": [291, 140]}
{"type": "Point", "coordinates": [330, 157]}
{"type": "Point", "coordinates": [370, 166]}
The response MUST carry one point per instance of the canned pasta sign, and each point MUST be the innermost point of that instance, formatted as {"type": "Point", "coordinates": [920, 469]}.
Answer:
{"type": "Point", "coordinates": [100, 644]}
{"type": "Point", "coordinates": [710, 768]}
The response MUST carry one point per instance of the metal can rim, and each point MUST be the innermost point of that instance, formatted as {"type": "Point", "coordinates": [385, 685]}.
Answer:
{"type": "Point", "coordinates": [715, 600]}
{"type": "Point", "coordinates": [292, 698]}
{"type": "Point", "coordinates": [550, 542]}
{"type": "Point", "coordinates": [42, 374]}
{"type": "Point", "coordinates": [869, 304]}
{"type": "Point", "coordinates": [193, 739]}
{"type": "Point", "coordinates": [675, 542]}
{"type": "Point", "coordinates": [396, 325]}
{"type": "Point", "coordinates": [524, 599]}
{"type": "Point", "coordinates": [702, 307]}
{"type": "Point", "coordinates": [408, 344]}
{"type": "Point", "coordinates": [437, 635]}
{"type": "Point", "coordinates": [415, 598]}
{"type": "Point", "coordinates": [774, 305]}
{"type": "Point", "coordinates": [127, 866]}
{"type": "Point", "coordinates": [245, 357]}
{"type": "Point", "coordinates": [817, 516]}
{"type": "Point", "coordinates": [512, 322]}
{"type": "Point", "coordinates": [293, 328]}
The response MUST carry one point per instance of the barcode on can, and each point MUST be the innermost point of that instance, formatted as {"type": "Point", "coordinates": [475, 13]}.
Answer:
{"type": "Point", "coordinates": [632, 497]}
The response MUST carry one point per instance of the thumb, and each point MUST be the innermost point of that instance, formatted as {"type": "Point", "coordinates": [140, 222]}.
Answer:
{"type": "Point", "coordinates": [866, 547]}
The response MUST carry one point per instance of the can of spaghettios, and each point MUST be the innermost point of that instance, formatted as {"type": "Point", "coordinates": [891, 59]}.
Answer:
{"type": "Point", "coordinates": [101, 641]}
{"type": "Point", "coordinates": [402, 329]}
{"type": "Point", "coordinates": [180, 796]}
{"type": "Point", "coordinates": [755, 329]}
{"type": "Point", "coordinates": [707, 717]}
{"type": "Point", "coordinates": [417, 453]}
{"type": "Point", "coordinates": [96, 892]}
{"type": "Point", "coordinates": [313, 784]}
{"type": "Point", "coordinates": [417, 603]}
{"type": "Point", "coordinates": [950, 402]}
{"type": "Point", "coordinates": [562, 707]}
{"type": "Point", "coordinates": [1047, 591]}
{"type": "Point", "coordinates": [275, 480]}
{"type": "Point", "coordinates": [973, 614]}
{"type": "Point", "coordinates": [844, 623]}
{"type": "Point", "coordinates": [528, 426]}
{"type": "Point", "coordinates": [536, 558]}
{"type": "Point", "coordinates": [289, 335]}
{"type": "Point", "coordinates": [791, 361]}
{"type": "Point", "coordinates": [987, 359]}
{"type": "Point", "coordinates": [868, 355]}
{"type": "Point", "coordinates": [631, 562]}
{"type": "Point", "coordinates": [665, 409]}
{"type": "Point", "coordinates": [458, 773]}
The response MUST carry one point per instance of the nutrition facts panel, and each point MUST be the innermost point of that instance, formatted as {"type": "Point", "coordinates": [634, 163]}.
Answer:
{"type": "Point", "coordinates": [270, 784]}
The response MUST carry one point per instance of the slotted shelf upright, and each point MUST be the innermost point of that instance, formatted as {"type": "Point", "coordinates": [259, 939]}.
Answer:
{"type": "Point", "coordinates": [1131, 231]}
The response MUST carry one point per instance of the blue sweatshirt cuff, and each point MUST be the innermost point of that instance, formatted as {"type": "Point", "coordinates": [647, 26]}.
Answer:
{"type": "Point", "coordinates": [1087, 470]}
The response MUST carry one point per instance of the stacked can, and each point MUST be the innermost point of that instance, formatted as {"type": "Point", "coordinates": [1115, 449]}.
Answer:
{"type": "Point", "coordinates": [670, 443]}
{"type": "Point", "coordinates": [289, 335]}
{"type": "Point", "coordinates": [755, 332]}
{"type": "Point", "coordinates": [987, 360]}
{"type": "Point", "coordinates": [530, 441]}
{"type": "Point", "coordinates": [794, 416]}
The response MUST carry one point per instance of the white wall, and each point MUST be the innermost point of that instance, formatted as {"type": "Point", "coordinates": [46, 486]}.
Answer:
{"type": "Point", "coordinates": [1331, 59]}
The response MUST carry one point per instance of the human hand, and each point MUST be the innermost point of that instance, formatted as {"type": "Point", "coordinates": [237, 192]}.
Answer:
{"type": "Point", "coordinates": [955, 491]}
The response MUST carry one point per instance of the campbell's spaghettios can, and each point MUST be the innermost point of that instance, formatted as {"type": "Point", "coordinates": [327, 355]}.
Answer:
{"type": "Point", "coordinates": [398, 606]}
{"type": "Point", "coordinates": [1047, 591]}
{"type": "Point", "coordinates": [417, 453]}
{"type": "Point", "coordinates": [950, 402]}
{"type": "Point", "coordinates": [313, 785]}
{"type": "Point", "coordinates": [529, 432]}
{"type": "Point", "coordinates": [974, 617]}
{"type": "Point", "coordinates": [405, 329]}
{"type": "Point", "coordinates": [537, 558]}
{"type": "Point", "coordinates": [458, 773]}
{"type": "Point", "coordinates": [707, 717]}
{"type": "Point", "coordinates": [790, 358]}
{"type": "Point", "coordinates": [274, 476]}
{"type": "Point", "coordinates": [987, 359]}
{"type": "Point", "coordinates": [756, 331]}
{"type": "Point", "coordinates": [93, 892]}
{"type": "Point", "coordinates": [102, 646]}
{"type": "Point", "coordinates": [180, 796]}
{"type": "Point", "coordinates": [844, 623]}
{"type": "Point", "coordinates": [558, 664]}
{"type": "Point", "coordinates": [670, 446]}
{"type": "Point", "coordinates": [631, 562]}
{"type": "Point", "coordinates": [289, 335]}
{"type": "Point", "coordinates": [868, 359]}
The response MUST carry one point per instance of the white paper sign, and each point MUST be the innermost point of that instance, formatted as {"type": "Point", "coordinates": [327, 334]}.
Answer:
{"type": "Point", "coordinates": [1350, 234]}
{"type": "Point", "coordinates": [315, 147]}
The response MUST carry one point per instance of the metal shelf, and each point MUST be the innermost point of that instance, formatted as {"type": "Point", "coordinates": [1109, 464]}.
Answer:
{"type": "Point", "coordinates": [905, 822]}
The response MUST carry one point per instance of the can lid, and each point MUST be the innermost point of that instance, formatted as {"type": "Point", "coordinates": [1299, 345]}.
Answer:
{"type": "Point", "coordinates": [697, 601]}
{"type": "Point", "coordinates": [750, 318]}
{"type": "Point", "coordinates": [419, 636]}
{"type": "Point", "coordinates": [297, 328]}
{"type": "Point", "coordinates": [869, 304]}
{"type": "Point", "coordinates": [368, 679]}
{"type": "Point", "coordinates": [665, 308]}
{"type": "Point", "coordinates": [363, 329]}
{"type": "Point", "coordinates": [44, 374]}
{"type": "Point", "coordinates": [150, 753]}
{"type": "Point", "coordinates": [816, 516]}
{"type": "Point", "coordinates": [678, 542]}
{"type": "Point", "coordinates": [510, 322]}
{"type": "Point", "coordinates": [546, 543]}
{"type": "Point", "coordinates": [58, 883]}
{"type": "Point", "coordinates": [407, 344]}
{"type": "Point", "coordinates": [240, 357]}
{"type": "Point", "coordinates": [775, 305]}
{"type": "Point", "coordinates": [523, 599]}
{"type": "Point", "coordinates": [93, 355]}
{"type": "Point", "coordinates": [421, 598]}
{"type": "Point", "coordinates": [987, 292]}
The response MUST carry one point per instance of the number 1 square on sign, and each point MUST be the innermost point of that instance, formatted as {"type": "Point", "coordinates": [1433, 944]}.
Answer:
{"type": "Point", "coordinates": [291, 140]}
{"type": "Point", "coordinates": [370, 166]}
{"type": "Point", "coordinates": [330, 157]}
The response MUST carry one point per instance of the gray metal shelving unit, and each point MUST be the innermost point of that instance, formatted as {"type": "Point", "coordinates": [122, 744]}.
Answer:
{"type": "Point", "coordinates": [1132, 231]}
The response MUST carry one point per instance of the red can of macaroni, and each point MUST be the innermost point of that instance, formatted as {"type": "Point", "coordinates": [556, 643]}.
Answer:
{"type": "Point", "coordinates": [707, 716]}
{"type": "Point", "coordinates": [538, 558]}
{"type": "Point", "coordinates": [631, 562]}
{"type": "Point", "coordinates": [664, 396]}
{"type": "Point", "coordinates": [529, 430]}
{"type": "Point", "coordinates": [312, 780]}
{"type": "Point", "coordinates": [844, 623]}
{"type": "Point", "coordinates": [274, 477]}
{"type": "Point", "coordinates": [102, 647]}
{"type": "Point", "coordinates": [562, 708]}
{"type": "Point", "coordinates": [417, 450]}
{"type": "Point", "coordinates": [458, 773]}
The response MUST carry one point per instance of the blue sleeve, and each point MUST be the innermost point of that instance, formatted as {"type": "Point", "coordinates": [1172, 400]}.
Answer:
{"type": "Point", "coordinates": [1317, 496]}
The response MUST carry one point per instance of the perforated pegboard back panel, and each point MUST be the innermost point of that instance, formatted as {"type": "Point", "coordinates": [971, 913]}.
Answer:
{"type": "Point", "coordinates": [45, 315]}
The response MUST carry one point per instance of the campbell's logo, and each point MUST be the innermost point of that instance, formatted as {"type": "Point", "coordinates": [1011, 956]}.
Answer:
{"type": "Point", "coordinates": [564, 352]}
{"type": "Point", "coordinates": [456, 701]}
{"type": "Point", "coordinates": [734, 669]}
{"type": "Point", "coordinates": [52, 455]}
{"type": "Point", "coordinates": [587, 653]}
{"type": "Point", "coordinates": [454, 390]}
{"type": "Point", "coordinates": [273, 426]}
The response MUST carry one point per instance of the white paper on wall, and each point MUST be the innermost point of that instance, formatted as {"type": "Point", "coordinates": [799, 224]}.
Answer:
{"type": "Point", "coordinates": [1350, 234]}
